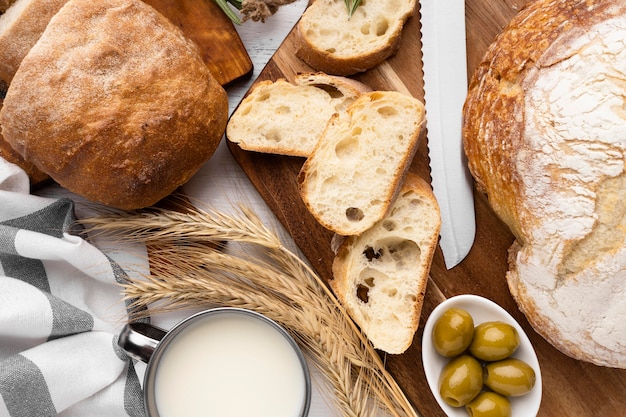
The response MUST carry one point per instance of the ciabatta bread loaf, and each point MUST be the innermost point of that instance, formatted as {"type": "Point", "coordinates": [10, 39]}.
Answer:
{"type": "Point", "coordinates": [330, 40]}
{"type": "Point", "coordinates": [359, 163]}
{"type": "Point", "coordinates": [20, 28]}
{"type": "Point", "coordinates": [115, 104]}
{"type": "Point", "coordinates": [380, 276]}
{"type": "Point", "coordinates": [545, 135]}
{"type": "Point", "coordinates": [288, 118]}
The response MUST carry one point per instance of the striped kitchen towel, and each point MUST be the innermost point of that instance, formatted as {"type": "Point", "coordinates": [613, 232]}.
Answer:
{"type": "Point", "coordinates": [60, 313]}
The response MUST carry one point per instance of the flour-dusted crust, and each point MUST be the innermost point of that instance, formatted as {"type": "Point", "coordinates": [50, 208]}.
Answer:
{"type": "Point", "coordinates": [380, 276]}
{"type": "Point", "coordinates": [331, 41]}
{"type": "Point", "coordinates": [20, 28]}
{"type": "Point", "coordinates": [115, 104]}
{"type": "Point", "coordinates": [9, 154]}
{"type": "Point", "coordinates": [545, 136]}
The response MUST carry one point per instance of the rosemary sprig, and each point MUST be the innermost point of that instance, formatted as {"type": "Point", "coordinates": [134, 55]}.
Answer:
{"type": "Point", "coordinates": [224, 5]}
{"type": "Point", "coordinates": [352, 5]}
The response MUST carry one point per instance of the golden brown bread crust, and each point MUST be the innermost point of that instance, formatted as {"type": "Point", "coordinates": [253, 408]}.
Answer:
{"type": "Point", "coordinates": [35, 175]}
{"type": "Point", "coordinates": [21, 31]}
{"type": "Point", "coordinates": [567, 266]}
{"type": "Point", "coordinates": [9, 154]}
{"type": "Point", "coordinates": [115, 104]}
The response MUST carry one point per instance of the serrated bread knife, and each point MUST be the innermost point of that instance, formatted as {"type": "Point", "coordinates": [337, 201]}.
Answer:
{"type": "Point", "coordinates": [445, 87]}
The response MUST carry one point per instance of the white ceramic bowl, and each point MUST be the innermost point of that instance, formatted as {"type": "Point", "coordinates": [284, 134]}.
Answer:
{"type": "Point", "coordinates": [482, 310]}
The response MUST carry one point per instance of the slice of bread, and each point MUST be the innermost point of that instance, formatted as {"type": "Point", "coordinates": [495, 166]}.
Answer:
{"type": "Point", "coordinates": [380, 276]}
{"type": "Point", "coordinates": [359, 163]}
{"type": "Point", "coordinates": [287, 119]}
{"type": "Point", "coordinates": [20, 28]}
{"type": "Point", "coordinates": [330, 40]}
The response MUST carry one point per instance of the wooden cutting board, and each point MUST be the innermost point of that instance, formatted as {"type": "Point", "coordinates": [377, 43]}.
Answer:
{"type": "Point", "coordinates": [205, 24]}
{"type": "Point", "coordinates": [570, 387]}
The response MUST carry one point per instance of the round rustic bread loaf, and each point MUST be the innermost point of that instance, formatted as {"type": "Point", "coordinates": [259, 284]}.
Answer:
{"type": "Point", "coordinates": [545, 136]}
{"type": "Point", "coordinates": [115, 104]}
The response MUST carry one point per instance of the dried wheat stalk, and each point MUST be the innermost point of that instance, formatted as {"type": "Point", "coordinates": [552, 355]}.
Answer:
{"type": "Point", "coordinates": [188, 273]}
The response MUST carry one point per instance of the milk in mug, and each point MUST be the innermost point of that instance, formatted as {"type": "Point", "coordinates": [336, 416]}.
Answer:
{"type": "Point", "coordinates": [230, 365]}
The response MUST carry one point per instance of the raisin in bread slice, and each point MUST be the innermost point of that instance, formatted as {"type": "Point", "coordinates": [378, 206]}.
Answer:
{"type": "Point", "coordinates": [330, 40]}
{"type": "Point", "coordinates": [380, 276]}
{"type": "Point", "coordinates": [359, 163]}
{"type": "Point", "coordinates": [287, 118]}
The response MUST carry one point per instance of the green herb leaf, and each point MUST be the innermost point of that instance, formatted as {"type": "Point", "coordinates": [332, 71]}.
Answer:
{"type": "Point", "coordinates": [352, 5]}
{"type": "Point", "coordinates": [223, 4]}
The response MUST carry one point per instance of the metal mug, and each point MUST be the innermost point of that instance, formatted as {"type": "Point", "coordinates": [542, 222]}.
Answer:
{"type": "Point", "coordinates": [162, 350]}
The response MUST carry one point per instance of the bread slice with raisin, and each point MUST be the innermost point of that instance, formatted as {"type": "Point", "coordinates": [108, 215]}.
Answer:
{"type": "Point", "coordinates": [380, 276]}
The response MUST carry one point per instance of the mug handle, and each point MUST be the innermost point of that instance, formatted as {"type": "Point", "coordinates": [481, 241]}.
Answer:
{"type": "Point", "coordinates": [139, 340]}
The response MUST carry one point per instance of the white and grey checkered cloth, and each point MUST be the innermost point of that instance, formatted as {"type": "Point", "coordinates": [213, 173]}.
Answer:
{"type": "Point", "coordinates": [60, 313]}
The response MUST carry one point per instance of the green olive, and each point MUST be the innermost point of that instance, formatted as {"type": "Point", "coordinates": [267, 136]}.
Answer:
{"type": "Point", "coordinates": [489, 404]}
{"type": "Point", "coordinates": [494, 341]}
{"type": "Point", "coordinates": [453, 332]}
{"type": "Point", "coordinates": [461, 380]}
{"type": "Point", "coordinates": [510, 377]}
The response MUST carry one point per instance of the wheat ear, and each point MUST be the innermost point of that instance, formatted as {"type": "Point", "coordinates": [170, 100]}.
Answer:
{"type": "Point", "coordinates": [187, 272]}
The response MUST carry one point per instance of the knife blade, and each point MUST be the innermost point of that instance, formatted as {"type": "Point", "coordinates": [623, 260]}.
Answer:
{"type": "Point", "coordinates": [444, 63]}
